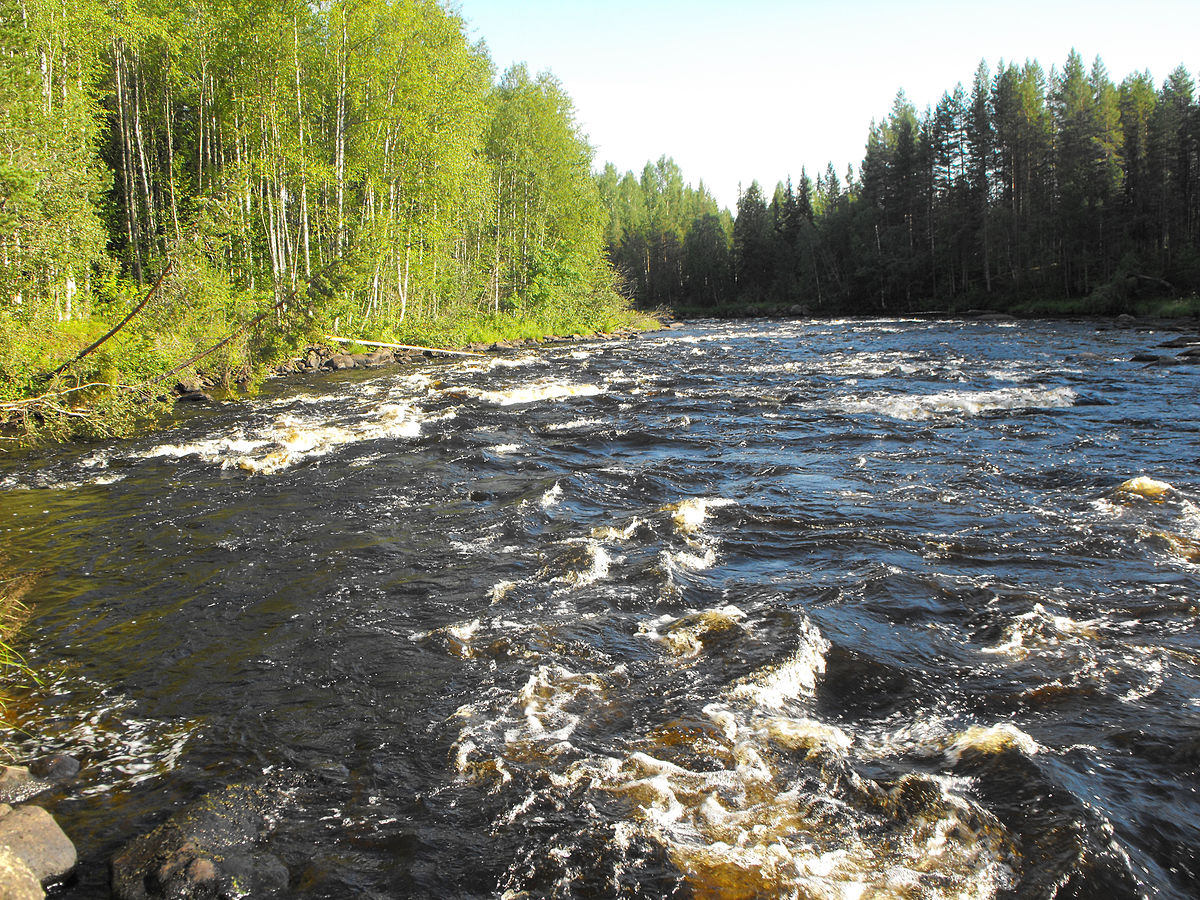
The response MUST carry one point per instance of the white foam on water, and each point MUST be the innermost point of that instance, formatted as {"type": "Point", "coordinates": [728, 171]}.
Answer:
{"type": "Point", "coordinates": [552, 496]}
{"type": "Point", "coordinates": [612, 533]}
{"type": "Point", "coordinates": [992, 740]}
{"type": "Point", "coordinates": [795, 678]}
{"type": "Point", "coordinates": [288, 440]}
{"type": "Point", "coordinates": [692, 562]}
{"type": "Point", "coordinates": [575, 425]}
{"type": "Point", "coordinates": [519, 361]}
{"type": "Point", "coordinates": [458, 637]}
{"type": "Point", "coordinates": [600, 563]}
{"type": "Point", "coordinates": [1040, 631]}
{"type": "Point", "coordinates": [921, 407]}
{"type": "Point", "coordinates": [740, 827]}
{"type": "Point", "coordinates": [504, 449]}
{"type": "Point", "coordinates": [500, 590]}
{"type": "Point", "coordinates": [744, 808]}
{"type": "Point", "coordinates": [534, 726]}
{"type": "Point", "coordinates": [689, 515]}
{"type": "Point", "coordinates": [684, 636]}
{"type": "Point", "coordinates": [539, 391]}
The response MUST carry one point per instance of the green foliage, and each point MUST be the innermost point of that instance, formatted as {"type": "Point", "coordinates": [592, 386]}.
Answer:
{"type": "Point", "coordinates": [345, 166]}
{"type": "Point", "coordinates": [668, 241]}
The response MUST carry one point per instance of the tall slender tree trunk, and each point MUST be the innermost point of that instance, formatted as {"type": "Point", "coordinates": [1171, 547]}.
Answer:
{"type": "Point", "coordinates": [143, 166]}
{"type": "Point", "coordinates": [132, 230]}
{"type": "Point", "coordinates": [169, 127]}
{"type": "Point", "coordinates": [340, 140]}
{"type": "Point", "coordinates": [304, 229]}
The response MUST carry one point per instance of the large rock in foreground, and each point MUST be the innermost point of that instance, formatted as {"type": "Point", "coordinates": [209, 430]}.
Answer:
{"type": "Point", "coordinates": [35, 838]}
{"type": "Point", "coordinates": [17, 880]}
{"type": "Point", "coordinates": [207, 850]}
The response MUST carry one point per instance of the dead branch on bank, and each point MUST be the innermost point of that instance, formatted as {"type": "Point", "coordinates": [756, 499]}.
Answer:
{"type": "Point", "coordinates": [346, 340]}
{"type": "Point", "coordinates": [92, 347]}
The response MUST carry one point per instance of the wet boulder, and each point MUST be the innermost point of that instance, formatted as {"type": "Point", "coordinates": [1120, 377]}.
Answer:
{"type": "Point", "coordinates": [340, 361]}
{"type": "Point", "coordinates": [207, 850]}
{"type": "Point", "coordinates": [379, 358]}
{"type": "Point", "coordinates": [19, 783]}
{"type": "Point", "coordinates": [33, 836]}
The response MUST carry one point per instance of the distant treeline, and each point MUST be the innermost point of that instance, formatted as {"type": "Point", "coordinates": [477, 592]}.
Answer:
{"type": "Point", "coordinates": [352, 165]}
{"type": "Point", "coordinates": [1031, 191]}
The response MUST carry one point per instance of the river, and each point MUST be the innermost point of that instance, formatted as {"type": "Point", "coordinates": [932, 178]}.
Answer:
{"type": "Point", "coordinates": [836, 609]}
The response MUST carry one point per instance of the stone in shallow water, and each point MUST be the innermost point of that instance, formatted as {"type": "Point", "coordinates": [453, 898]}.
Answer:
{"type": "Point", "coordinates": [206, 850]}
{"type": "Point", "coordinates": [56, 767]}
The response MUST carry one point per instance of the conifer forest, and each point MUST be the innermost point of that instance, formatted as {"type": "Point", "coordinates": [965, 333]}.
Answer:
{"type": "Point", "coordinates": [1030, 192]}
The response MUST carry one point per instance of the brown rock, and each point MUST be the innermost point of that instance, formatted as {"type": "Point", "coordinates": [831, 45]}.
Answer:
{"type": "Point", "coordinates": [33, 835]}
{"type": "Point", "coordinates": [17, 881]}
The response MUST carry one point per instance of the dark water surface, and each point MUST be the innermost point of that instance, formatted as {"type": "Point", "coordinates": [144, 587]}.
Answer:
{"type": "Point", "coordinates": [846, 610]}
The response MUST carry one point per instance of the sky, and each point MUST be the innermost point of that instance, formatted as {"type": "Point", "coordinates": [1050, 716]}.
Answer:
{"type": "Point", "coordinates": [745, 90]}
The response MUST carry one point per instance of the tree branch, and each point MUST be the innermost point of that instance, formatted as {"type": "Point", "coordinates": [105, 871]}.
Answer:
{"type": "Point", "coordinates": [90, 348]}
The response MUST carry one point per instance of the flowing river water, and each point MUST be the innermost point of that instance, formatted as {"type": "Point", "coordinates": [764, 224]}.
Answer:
{"type": "Point", "coordinates": [849, 609]}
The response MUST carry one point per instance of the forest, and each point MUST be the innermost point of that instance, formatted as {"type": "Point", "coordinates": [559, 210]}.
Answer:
{"type": "Point", "coordinates": [263, 172]}
{"type": "Point", "coordinates": [216, 184]}
{"type": "Point", "coordinates": [1034, 193]}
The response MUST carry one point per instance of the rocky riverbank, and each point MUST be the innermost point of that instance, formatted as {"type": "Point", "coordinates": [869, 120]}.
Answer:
{"type": "Point", "coordinates": [35, 854]}
{"type": "Point", "coordinates": [318, 358]}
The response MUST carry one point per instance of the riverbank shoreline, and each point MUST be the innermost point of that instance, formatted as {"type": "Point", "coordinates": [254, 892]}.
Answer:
{"type": "Point", "coordinates": [323, 358]}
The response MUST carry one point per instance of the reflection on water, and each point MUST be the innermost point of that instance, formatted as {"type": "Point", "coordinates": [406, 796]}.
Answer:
{"type": "Point", "coordinates": [852, 609]}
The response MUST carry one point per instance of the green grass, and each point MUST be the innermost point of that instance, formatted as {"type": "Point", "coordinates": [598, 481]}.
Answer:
{"type": "Point", "coordinates": [13, 613]}
{"type": "Point", "coordinates": [483, 328]}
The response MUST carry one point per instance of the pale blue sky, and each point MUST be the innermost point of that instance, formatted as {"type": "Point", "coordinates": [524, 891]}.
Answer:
{"type": "Point", "coordinates": [756, 89]}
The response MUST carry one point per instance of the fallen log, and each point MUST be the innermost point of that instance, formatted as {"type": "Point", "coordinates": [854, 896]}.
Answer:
{"type": "Point", "coordinates": [91, 347]}
{"type": "Point", "coordinates": [346, 340]}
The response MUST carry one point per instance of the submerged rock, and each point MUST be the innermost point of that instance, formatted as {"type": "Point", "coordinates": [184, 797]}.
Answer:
{"type": "Point", "coordinates": [55, 767]}
{"type": "Point", "coordinates": [207, 850]}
